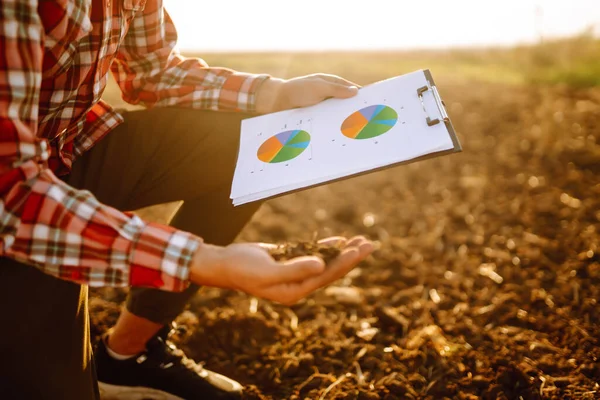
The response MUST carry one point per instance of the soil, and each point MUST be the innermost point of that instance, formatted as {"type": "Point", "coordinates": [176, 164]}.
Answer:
{"type": "Point", "coordinates": [289, 250]}
{"type": "Point", "coordinates": [485, 283]}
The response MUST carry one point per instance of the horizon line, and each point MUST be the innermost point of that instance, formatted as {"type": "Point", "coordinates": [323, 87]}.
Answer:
{"type": "Point", "coordinates": [491, 46]}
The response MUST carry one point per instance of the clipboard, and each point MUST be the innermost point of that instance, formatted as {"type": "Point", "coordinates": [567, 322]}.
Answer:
{"type": "Point", "coordinates": [427, 114]}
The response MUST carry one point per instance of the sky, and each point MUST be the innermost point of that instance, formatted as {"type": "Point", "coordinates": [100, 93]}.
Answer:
{"type": "Point", "coordinates": [258, 25]}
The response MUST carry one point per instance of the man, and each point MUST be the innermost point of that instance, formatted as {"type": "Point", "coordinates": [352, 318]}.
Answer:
{"type": "Point", "coordinates": [71, 168]}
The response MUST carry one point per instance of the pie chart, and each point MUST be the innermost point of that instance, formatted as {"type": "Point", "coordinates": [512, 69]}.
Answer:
{"type": "Point", "coordinates": [369, 122]}
{"type": "Point", "coordinates": [284, 146]}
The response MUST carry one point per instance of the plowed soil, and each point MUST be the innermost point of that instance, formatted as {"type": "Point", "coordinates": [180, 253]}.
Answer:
{"type": "Point", "coordinates": [485, 284]}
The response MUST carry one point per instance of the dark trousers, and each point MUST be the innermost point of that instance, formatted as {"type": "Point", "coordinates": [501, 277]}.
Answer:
{"type": "Point", "coordinates": [156, 156]}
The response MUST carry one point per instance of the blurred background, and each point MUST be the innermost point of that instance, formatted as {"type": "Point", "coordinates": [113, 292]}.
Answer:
{"type": "Point", "coordinates": [487, 278]}
{"type": "Point", "coordinates": [269, 25]}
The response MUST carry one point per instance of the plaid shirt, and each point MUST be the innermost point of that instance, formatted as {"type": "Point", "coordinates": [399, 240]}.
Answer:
{"type": "Point", "coordinates": [55, 57]}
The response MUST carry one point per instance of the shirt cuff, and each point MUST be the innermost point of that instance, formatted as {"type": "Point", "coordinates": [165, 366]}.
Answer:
{"type": "Point", "coordinates": [239, 91]}
{"type": "Point", "coordinates": [161, 256]}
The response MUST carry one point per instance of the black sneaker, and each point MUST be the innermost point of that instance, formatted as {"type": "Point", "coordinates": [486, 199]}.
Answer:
{"type": "Point", "coordinates": [162, 372]}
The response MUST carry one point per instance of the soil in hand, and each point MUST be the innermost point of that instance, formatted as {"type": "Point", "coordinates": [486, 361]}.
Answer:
{"type": "Point", "coordinates": [286, 251]}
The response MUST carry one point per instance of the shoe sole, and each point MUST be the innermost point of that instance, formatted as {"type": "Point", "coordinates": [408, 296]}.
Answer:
{"type": "Point", "coordinates": [114, 392]}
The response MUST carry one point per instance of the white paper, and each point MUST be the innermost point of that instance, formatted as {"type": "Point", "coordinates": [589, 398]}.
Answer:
{"type": "Point", "coordinates": [332, 153]}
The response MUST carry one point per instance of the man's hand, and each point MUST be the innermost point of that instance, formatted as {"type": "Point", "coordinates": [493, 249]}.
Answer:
{"type": "Point", "coordinates": [249, 267]}
{"type": "Point", "coordinates": [281, 94]}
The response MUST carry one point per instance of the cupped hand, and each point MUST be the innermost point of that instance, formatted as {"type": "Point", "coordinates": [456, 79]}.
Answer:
{"type": "Point", "coordinates": [248, 267]}
{"type": "Point", "coordinates": [283, 94]}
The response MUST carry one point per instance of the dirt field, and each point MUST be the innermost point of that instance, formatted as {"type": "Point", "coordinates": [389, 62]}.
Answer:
{"type": "Point", "coordinates": [486, 283]}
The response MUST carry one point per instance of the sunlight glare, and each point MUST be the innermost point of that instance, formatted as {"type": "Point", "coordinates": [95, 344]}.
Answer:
{"type": "Point", "coordinates": [376, 24]}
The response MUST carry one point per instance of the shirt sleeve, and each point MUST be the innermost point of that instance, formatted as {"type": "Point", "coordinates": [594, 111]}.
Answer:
{"type": "Point", "coordinates": [44, 222]}
{"type": "Point", "coordinates": [150, 71]}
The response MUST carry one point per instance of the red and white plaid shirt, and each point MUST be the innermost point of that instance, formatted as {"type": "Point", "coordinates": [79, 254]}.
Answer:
{"type": "Point", "coordinates": [55, 57]}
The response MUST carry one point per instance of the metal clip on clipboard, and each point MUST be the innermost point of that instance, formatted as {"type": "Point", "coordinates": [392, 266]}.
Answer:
{"type": "Point", "coordinates": [438, 102]}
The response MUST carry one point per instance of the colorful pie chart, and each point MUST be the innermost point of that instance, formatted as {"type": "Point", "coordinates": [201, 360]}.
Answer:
{"type": "Point", "coordinates": [284, 146]}
{"type": "Point", "coordinates": [369, 122]}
